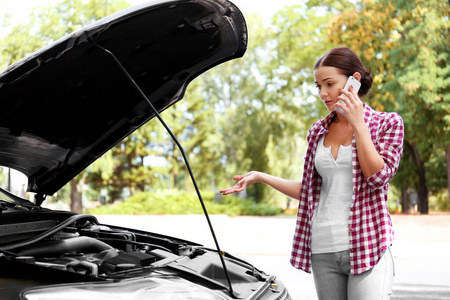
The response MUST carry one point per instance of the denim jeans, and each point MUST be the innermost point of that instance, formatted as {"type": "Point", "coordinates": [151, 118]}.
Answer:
{"type": "Point", "coordinates": [333, 280]}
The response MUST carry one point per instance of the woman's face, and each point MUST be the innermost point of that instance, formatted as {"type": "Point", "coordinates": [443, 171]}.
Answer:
{"type": "Point", "coordinates": [328, 81]}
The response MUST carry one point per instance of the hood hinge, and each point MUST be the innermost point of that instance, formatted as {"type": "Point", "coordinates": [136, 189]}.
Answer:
{"type": "Point", "coordinates": [39, 199]}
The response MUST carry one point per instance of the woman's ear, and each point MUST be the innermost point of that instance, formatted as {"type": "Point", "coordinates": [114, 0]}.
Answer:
{"type": "Point", "coordinates": [357, 76]}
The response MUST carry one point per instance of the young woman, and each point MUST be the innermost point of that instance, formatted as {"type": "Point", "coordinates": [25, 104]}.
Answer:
{"type": "Point", "coordinates": [343, 230]}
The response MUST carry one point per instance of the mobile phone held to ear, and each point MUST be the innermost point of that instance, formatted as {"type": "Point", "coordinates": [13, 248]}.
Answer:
{"type": "Point", "coordinates": [356, 85]}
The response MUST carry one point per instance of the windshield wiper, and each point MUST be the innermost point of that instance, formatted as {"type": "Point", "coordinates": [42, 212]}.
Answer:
{"type": "Point", "coordinates": [143, 96]}
{"type": "Point", "coordinates": [12, 199]}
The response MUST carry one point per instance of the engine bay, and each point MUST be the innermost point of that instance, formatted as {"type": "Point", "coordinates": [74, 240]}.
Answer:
{"type": "Point", "coordinates": [49, 250]}
{"type": "Point", "coordinates": [94, 250]}
{"type": "Point", "coordinates": [86, 247]}
{"type": "Point", "coordinates": [80, 245]}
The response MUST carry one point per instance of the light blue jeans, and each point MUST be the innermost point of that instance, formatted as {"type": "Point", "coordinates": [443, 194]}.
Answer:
{"type": "Point", "coordinates": [333, 280]}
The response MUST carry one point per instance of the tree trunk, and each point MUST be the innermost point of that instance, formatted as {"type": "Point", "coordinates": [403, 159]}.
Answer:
{"type": "Point", "coordinates": [76, 193]}
{"type": "Point", "coordinates": [406, 208]}
{"type": "Point", "coordinates": [423, 190]}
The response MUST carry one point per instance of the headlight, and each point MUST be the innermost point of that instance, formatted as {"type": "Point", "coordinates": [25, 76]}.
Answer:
{"type": "Point", "coordinates": [172, 288]}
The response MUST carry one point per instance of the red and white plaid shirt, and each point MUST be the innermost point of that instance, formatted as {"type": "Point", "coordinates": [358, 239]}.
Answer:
{"type": "Point", "coordinates": [370, 227]}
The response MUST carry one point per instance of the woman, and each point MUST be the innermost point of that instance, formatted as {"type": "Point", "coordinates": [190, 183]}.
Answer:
{"type": "Point", "coordinates": [343, 230]}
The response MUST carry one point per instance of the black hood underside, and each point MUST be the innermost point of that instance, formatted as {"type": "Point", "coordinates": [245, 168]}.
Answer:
{"type": "Point", "coordinates": [67, 104]}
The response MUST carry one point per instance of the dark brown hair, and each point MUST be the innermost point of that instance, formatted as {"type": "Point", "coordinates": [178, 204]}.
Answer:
{"type": "Point", "coordinates": [348, 62]}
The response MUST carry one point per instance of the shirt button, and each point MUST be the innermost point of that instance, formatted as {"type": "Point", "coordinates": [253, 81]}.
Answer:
{"type": "Point", "coordinates": [354, 189]}
{"type": "Point", "coordinates": [349, 230]}
{"type": "Point", "coordinates": [351, 250]}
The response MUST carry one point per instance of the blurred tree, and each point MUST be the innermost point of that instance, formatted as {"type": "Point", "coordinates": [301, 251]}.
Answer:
{"type": "Point", "coordinates": [254, 120]}
{"type": "Point", "coordinates": [285, 59]}
{"type": "Point", "coordinates": [149, 159]}
{"type": "Point", "coordinates": [206, 148]}
{"type": "Point", "coordinates": [123, 167]}
{"type": "Point", "coordinates": [406, 44]}
{"type": "Point", "coordinates": [191, 122]}
{"type": "Point", "coordinates": [299, 35]}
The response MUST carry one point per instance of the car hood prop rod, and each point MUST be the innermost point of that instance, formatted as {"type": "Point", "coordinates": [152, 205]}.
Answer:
{"type": "Point", "coordinates": [141, 93]}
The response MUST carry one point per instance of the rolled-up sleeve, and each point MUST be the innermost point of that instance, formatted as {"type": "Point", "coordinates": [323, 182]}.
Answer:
{"type": "Point", "coordinates": [389, 144]}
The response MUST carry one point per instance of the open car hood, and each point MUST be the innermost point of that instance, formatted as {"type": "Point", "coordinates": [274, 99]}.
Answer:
{"type": "Point", "coordinates": [64, 106]}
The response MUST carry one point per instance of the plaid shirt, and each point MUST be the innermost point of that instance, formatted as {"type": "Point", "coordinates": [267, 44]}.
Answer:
{"type": "Point", "coordinates": [370, 227]}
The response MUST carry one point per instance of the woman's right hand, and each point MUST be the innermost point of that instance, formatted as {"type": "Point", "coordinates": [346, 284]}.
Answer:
{"type": "Point", "coordinates": [243, 182]}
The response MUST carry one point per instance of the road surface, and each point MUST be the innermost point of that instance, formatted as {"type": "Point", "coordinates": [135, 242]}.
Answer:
{"type": "Point", "coordinates": [421, 249]}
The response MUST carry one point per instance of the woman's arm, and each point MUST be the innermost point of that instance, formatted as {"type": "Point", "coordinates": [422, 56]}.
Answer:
{"type": "Point", "coordinates": [369, 159]}
{"type": "Point", "coordinates": [290, 188]}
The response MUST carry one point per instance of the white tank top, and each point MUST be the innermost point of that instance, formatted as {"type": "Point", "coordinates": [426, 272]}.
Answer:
{"type": "Point", "coordinates": [330, 220]}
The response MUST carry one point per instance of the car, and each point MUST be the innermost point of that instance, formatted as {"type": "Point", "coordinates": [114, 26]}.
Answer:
{"type": "Point", "coordinates": [67, 104]}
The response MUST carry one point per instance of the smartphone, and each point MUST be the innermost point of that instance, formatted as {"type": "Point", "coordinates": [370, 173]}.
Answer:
{"type": "Point", "coordinates": [356, 85]}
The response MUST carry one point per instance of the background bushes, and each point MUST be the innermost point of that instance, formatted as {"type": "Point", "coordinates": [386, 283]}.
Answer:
{"type": "Point", "coordinates": [181, 203]}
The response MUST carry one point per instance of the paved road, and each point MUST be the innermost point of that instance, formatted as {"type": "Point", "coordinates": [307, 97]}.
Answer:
{"type": "Point", "coordinates": [421, 250]}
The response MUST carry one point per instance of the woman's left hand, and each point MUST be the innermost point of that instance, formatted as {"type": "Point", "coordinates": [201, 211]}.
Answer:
{"type": "Point", "coordinates": [354, 110]}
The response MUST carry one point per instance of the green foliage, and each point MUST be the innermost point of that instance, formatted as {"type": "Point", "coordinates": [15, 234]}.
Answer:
{"type": "Point", "coordinates": [254, 121]}
{"type": "Point", "coordinates": [48, 24]}
{"type": "Point", "coordinates": [406, 45]}
{"type": "Point", "coordinates": [149, 158]}
{"type": "Point", "coordinates": [299, 37]}
{"type": "Point", "coordinates": [238, 206]}
{"type": "Point", "coordinates": [180, 203]}
{"type": "Point", "coordinates": [439, 202]}
{"type": "Point", "coordinates": [253, 113]}
{"type": "Point", "coordinates": [393, 201]}
{"type": "Point", "coordinates": [92, 194]}
{"type": "Point", "coordinates": [3, 177]}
